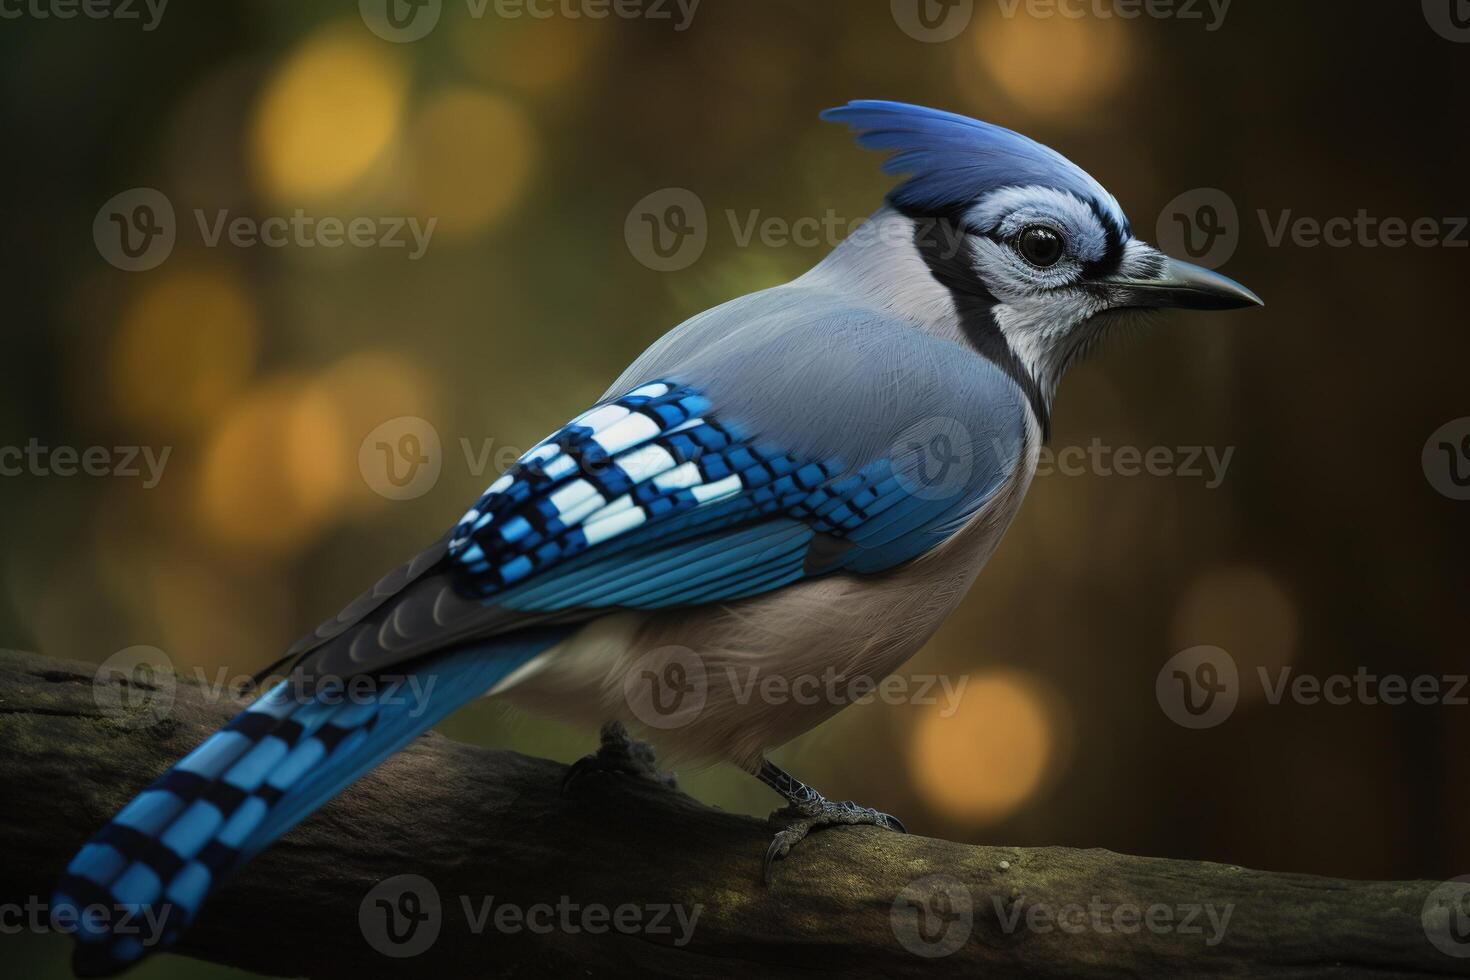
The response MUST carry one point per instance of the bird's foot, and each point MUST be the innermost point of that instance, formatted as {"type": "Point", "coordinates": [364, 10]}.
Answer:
{"type": "Point", "coordinates": [621, 754]}
{"type": "Point", "coordinates": [802, 817]}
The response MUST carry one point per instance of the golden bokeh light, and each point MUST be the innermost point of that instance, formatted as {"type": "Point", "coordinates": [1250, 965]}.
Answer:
{"type": "Point", "coordinates": [357, 394]}
{"type": "Point", "coordinates": [1058, 67]}
{"type": "Point", "coordinates": [1247, 612]}
{"type": "Point", "coordinates": [472, 154]}
{"type": "Point", "coordinates": [329, 113]}
{"type": "Point", "coordinates": [990, 755]}
{"type": "Point", "coordinates": [185, 345]}
{"type": "Point", "coordinates": [269, 478]}
{"type": "Point", "coordinates": [531, 55]}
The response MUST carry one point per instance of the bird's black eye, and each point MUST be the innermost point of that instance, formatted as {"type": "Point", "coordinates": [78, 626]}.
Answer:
{"type": "Point", "coordinates": [1040, 246]}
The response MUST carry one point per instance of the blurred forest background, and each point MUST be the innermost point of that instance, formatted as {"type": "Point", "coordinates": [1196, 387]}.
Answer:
{"type": "Point", "coordinates": [530, 141]}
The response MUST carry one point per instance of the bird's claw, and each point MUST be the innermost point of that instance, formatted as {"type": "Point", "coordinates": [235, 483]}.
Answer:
{"type": "Point", "coordinates": [780, 846]}
{"type": "Point", "coordinates": [800, 819]}
{"type": "Point", "coordinates": [619, 754]}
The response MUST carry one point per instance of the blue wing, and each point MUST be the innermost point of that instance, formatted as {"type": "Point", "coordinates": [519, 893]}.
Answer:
{"type": "Point", "coordinates": [653, 500]}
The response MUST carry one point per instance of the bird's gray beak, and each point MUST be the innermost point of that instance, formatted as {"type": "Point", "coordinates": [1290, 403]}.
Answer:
{"type": "Point", "coordinates": [1180, 285]}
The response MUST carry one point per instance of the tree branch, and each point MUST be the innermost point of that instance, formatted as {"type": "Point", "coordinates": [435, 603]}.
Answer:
{"type": "Point", "coordinates": [483, 823]}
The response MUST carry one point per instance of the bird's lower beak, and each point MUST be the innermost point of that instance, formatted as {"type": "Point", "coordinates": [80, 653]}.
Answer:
{"type": "Point", "coordinates": [1181, 285]}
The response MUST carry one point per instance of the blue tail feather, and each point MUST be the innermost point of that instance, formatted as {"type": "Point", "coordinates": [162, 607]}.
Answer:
{"type": "Point", "coordinates": [152, 867]}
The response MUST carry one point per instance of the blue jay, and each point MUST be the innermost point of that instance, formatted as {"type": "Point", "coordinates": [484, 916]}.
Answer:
{"type": "Point", "coordinates": [801, 482]}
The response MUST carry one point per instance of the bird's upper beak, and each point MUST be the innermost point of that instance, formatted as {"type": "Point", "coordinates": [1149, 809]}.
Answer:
{"type": "Point", "coordinates": [1180, 285]}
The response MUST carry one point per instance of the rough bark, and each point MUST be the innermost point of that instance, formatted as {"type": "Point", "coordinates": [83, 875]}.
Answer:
{"type": "Point", "coordinates": [480, 823]}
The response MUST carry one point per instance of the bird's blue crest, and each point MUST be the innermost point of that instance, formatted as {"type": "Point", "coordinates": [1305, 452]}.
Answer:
{"type": "Point", "coordinates": [952, 160]}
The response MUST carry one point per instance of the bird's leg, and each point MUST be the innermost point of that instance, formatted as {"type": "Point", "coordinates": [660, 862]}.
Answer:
{"type": "Point", "coordinates": [622, 754]}
{"type": "Point", "coordinates": [806, 810]}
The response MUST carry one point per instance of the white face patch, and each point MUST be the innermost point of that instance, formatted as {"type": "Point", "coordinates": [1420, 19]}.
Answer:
{"type": "Point", "coordinates": [1044, 331]}
{"type": "Point", "coordinates": [1042, 311]}
{"type": "Point", "coordinates": [1140, 260]}
{"type": "Point", "coordinates": [1009, 277]}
